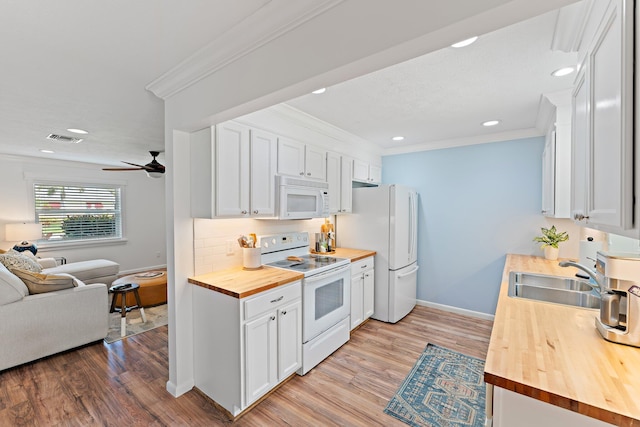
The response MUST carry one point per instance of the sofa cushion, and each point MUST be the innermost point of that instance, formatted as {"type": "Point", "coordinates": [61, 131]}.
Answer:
{"type": "Point", "coordinates": [87, 270]}
{"type": "Point", "coordinates": [14, 259]}
{"type": "Point", "coordinates": [11, 287]}
{"type": "Point", "coordinates": [39, 283]}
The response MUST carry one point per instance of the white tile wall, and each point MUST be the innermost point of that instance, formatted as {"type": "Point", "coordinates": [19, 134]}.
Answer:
{"type": "Point", "coordinates": [211, 237]}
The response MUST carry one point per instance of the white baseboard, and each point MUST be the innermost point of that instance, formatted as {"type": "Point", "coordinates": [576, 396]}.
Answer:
{"type": "Point", "coordinates": [139, 270]}
{"type": "Point", "coordinates": [179, 390]}
{"type": "Point", "coordinates": [456, 310]}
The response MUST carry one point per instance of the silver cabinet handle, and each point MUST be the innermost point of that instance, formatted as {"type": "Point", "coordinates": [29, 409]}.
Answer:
{"type": "Point", "coordinates": [580, 217]}
{"type": "Point", "coordinates": [255, 212]}
{"type": "Point", "coordinates": [363, 266]}
{"type": "Point", "coordinates": [284, 312]}
{"type": "Point", "coordinates": [277, 299]}
{"type": "Point", "coordinates": [244, 212]}
{"type": "Point", "coordinates": [308, 173]}
{"type": "Point", "coordinates": [301, 173]}
{"type": "Point", "coordinates": [273, 318]}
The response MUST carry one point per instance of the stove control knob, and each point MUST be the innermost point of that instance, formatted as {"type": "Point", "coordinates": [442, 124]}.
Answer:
{"type": "Point", "coordinates": [273, 241]}
{"type": "Point", "coordinates": [266, 244]}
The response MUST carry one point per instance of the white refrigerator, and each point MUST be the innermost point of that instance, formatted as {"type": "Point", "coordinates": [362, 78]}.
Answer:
{"type": "Point", "coordinates": [385, 219]}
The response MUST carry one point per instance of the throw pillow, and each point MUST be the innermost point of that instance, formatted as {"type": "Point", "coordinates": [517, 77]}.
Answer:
{"type": "Point", "coordinates": [15, 259]}
{"type": "Point", "coordinates": [40, 283]}
{"type": "Point", "coordinates": [11, 287]}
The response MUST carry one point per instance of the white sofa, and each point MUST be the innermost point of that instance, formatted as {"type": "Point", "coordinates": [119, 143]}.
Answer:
{"type": "Point", "coordinates": [92, 271]}
{"type": "Point", "coordinates": [39, 325]}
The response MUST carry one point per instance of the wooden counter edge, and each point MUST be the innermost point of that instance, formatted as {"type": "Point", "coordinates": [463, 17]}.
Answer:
{"type": "Point", "coordinates": [561, 401]}
{"type": "Point", "coordinates": [257, 290]}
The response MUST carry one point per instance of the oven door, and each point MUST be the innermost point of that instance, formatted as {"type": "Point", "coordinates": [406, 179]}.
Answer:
{"type": "Point", "coordinates": [326, 300]}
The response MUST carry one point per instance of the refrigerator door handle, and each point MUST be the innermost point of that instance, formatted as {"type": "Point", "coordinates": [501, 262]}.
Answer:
{"type": "Point", "coordinates": [400, 276]}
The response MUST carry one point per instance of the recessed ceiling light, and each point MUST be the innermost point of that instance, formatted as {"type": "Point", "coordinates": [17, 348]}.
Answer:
{"type": "Point", "coordinates": [319, 91]}
{"type": "Point", "coordinates": [491, 123]}
{"type": "Point", "coordinates": [466, 42]}
{"type": "Point", "coordinates": [47, 151]}
{"type": "Point", "coordinates": [80, 131]}
{"type": "Point", "coordinates": [565, 71]}
{"type": "Point", "coordinates": [398, 138]}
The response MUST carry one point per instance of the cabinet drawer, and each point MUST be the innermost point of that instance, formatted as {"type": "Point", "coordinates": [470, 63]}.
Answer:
{"type": "Point", "coordinates": [362, 265]}
{"type": "Point", "coordinates": [271, 299]}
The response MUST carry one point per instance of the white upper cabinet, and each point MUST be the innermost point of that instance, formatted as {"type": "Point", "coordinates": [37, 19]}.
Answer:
{"type": "Point", "coordinates": [232, 168]}
{"type": "Point", "coordinates": [339, 180]}
{"type": "Point", "coordinates": [263, 161]}
{"type": "Point", "coordinates": [579, 146]}
{"type": "Point", "coordinates": [233, 172]}
{"type": "Point", "coordinates": [365, 172]}
{"type": "Point", "coordinates": [604, 95]}
{"type": "Point", "coordinates": [556, 157]}
{"type": "Point", "coordinates": [298, 159]}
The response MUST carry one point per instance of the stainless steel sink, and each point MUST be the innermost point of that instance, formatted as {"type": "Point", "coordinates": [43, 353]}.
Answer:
{"type": "Point", "coordinates": [559, 290]}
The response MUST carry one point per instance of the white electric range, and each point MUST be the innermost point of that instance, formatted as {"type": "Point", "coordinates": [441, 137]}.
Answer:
{"type": "Point", "coordinates": [326, 293]}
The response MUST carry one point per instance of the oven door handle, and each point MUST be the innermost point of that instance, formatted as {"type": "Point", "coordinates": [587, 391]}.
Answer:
{"type": "Point", "coordinates": [321, 276]}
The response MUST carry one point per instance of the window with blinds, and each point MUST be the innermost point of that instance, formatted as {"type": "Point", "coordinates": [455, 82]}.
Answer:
{"type": "Point", "coordinates": [78, 212]}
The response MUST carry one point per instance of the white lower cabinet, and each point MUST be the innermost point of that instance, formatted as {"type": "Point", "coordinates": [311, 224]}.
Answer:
{"type": "Point", "coordinates": [245, 347]}
{"type": "Point", "coordinates": [513, 409]}
{"type": "Point", "coordinates": [362, 283]}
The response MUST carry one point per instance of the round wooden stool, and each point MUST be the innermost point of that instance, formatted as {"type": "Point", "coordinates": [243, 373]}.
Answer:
{"type": "Point", "coordinates": [123, 290]}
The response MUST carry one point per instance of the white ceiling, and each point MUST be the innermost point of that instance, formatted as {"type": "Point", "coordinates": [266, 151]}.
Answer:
{"type": "Point", "coordinates": [442, 98]}
{"type": "Point", "coordinates": [85, 64]}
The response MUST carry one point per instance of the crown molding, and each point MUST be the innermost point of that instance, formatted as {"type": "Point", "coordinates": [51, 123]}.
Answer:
{"type": "Point", "coordinates": [462, 142]}
{"type": "Point", "coordinates": [570, 26]}
{"type": "Point", "coordinates": [269, 22]}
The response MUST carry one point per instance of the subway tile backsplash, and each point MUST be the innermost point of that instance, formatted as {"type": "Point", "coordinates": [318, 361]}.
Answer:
{"type": "Point", "coordinates": [211, 238]}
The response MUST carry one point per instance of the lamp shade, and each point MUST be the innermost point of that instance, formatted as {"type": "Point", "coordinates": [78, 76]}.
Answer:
{"type": "Point", "coordinates": [20, 232]}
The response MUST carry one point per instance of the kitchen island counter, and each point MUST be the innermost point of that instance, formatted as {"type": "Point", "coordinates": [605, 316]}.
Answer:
{"type": "Point", "coordinates": [553, 353]}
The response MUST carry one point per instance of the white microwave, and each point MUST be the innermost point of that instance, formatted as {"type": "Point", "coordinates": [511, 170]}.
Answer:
{"type": "Point", "coordinates": [301, 198]}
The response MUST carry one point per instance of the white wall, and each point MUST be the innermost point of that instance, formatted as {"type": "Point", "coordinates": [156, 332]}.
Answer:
{"type": "Point", "coordinates": [143, 205]}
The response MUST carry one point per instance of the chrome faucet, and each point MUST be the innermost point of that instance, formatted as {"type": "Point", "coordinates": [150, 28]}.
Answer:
{"type": "Point", "coordinates": [587, 270]}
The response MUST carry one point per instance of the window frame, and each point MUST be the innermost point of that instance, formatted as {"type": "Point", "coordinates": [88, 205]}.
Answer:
{"type": "Point", "coordinates": [98, 241]}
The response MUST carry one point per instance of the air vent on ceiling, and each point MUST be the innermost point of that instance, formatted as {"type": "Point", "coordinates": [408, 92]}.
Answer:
{"type": "Point", "coordinates": [63, 138]}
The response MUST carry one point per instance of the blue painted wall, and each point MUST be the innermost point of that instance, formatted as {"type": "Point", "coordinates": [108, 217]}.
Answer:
{"type": "Point", "coordinates": [477, 203]}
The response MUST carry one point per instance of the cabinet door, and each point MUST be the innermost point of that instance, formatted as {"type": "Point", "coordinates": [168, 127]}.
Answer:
{"type": "Point", "coordinates": [315, 163]}
{"type": "Point", "coordinates": [346, 166]}
{"type": "Point", "coordinates": [367, 294]}
{"type": "Point", "coordinates": [289, 339]}
{"type": "Point", "coordinates": [610, 197]}
{"type": "Point", "coordinates": [580, 135]}
{"type": "Point", "coordinates": [360, 170]}
{"type": "Point", "coordinates": [357, 283]}
{"type": "Point", "coordinates": [548, 175]}
{"type": "Point", "coordinates": [264, 149]}
{"type": "Point", "coordinates": [333, 179]}
{"type": "Point", "coordinates": [260, 356]}
{"type": "Point", "coordinates": [290, 157]}
{"type": "Point", "coordinates": [232, 170]}
{"type": "Point", "coordinates": [375, 174]}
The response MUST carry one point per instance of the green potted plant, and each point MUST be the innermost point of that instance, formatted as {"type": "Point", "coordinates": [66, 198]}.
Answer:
{"type": "Point", "coordinates": [550, 240]}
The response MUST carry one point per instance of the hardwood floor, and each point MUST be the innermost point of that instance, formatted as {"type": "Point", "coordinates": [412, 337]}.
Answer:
{"type": "Point", "coordinates": [124, 383]}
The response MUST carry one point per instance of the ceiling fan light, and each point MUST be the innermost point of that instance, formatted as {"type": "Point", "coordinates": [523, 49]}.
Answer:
{"type": "Point", "coordinates": [155, 174]}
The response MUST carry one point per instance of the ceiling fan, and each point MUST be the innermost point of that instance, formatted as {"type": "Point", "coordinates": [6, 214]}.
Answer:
{"type": "Point", "coordinates": [153, 169]}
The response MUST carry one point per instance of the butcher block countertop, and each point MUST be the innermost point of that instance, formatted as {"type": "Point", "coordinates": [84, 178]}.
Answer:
{"type": "Point", "coordinates": [554, 353]}
{"type": "Point", "coordinates": [353, 254]}
{"type": "Point", "coordinates": [240, 283]}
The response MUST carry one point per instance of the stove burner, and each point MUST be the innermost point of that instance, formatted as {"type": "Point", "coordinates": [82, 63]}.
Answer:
{"type": "Point", "coordinates": [309, 263]}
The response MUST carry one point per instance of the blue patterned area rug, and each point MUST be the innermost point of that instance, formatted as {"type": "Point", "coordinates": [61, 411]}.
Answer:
{"type": "Point", "coordinates": [444, 389]}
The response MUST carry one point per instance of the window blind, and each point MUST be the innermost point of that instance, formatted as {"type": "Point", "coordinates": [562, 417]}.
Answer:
{"type": "Point", "coordinates": [78, 212]}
